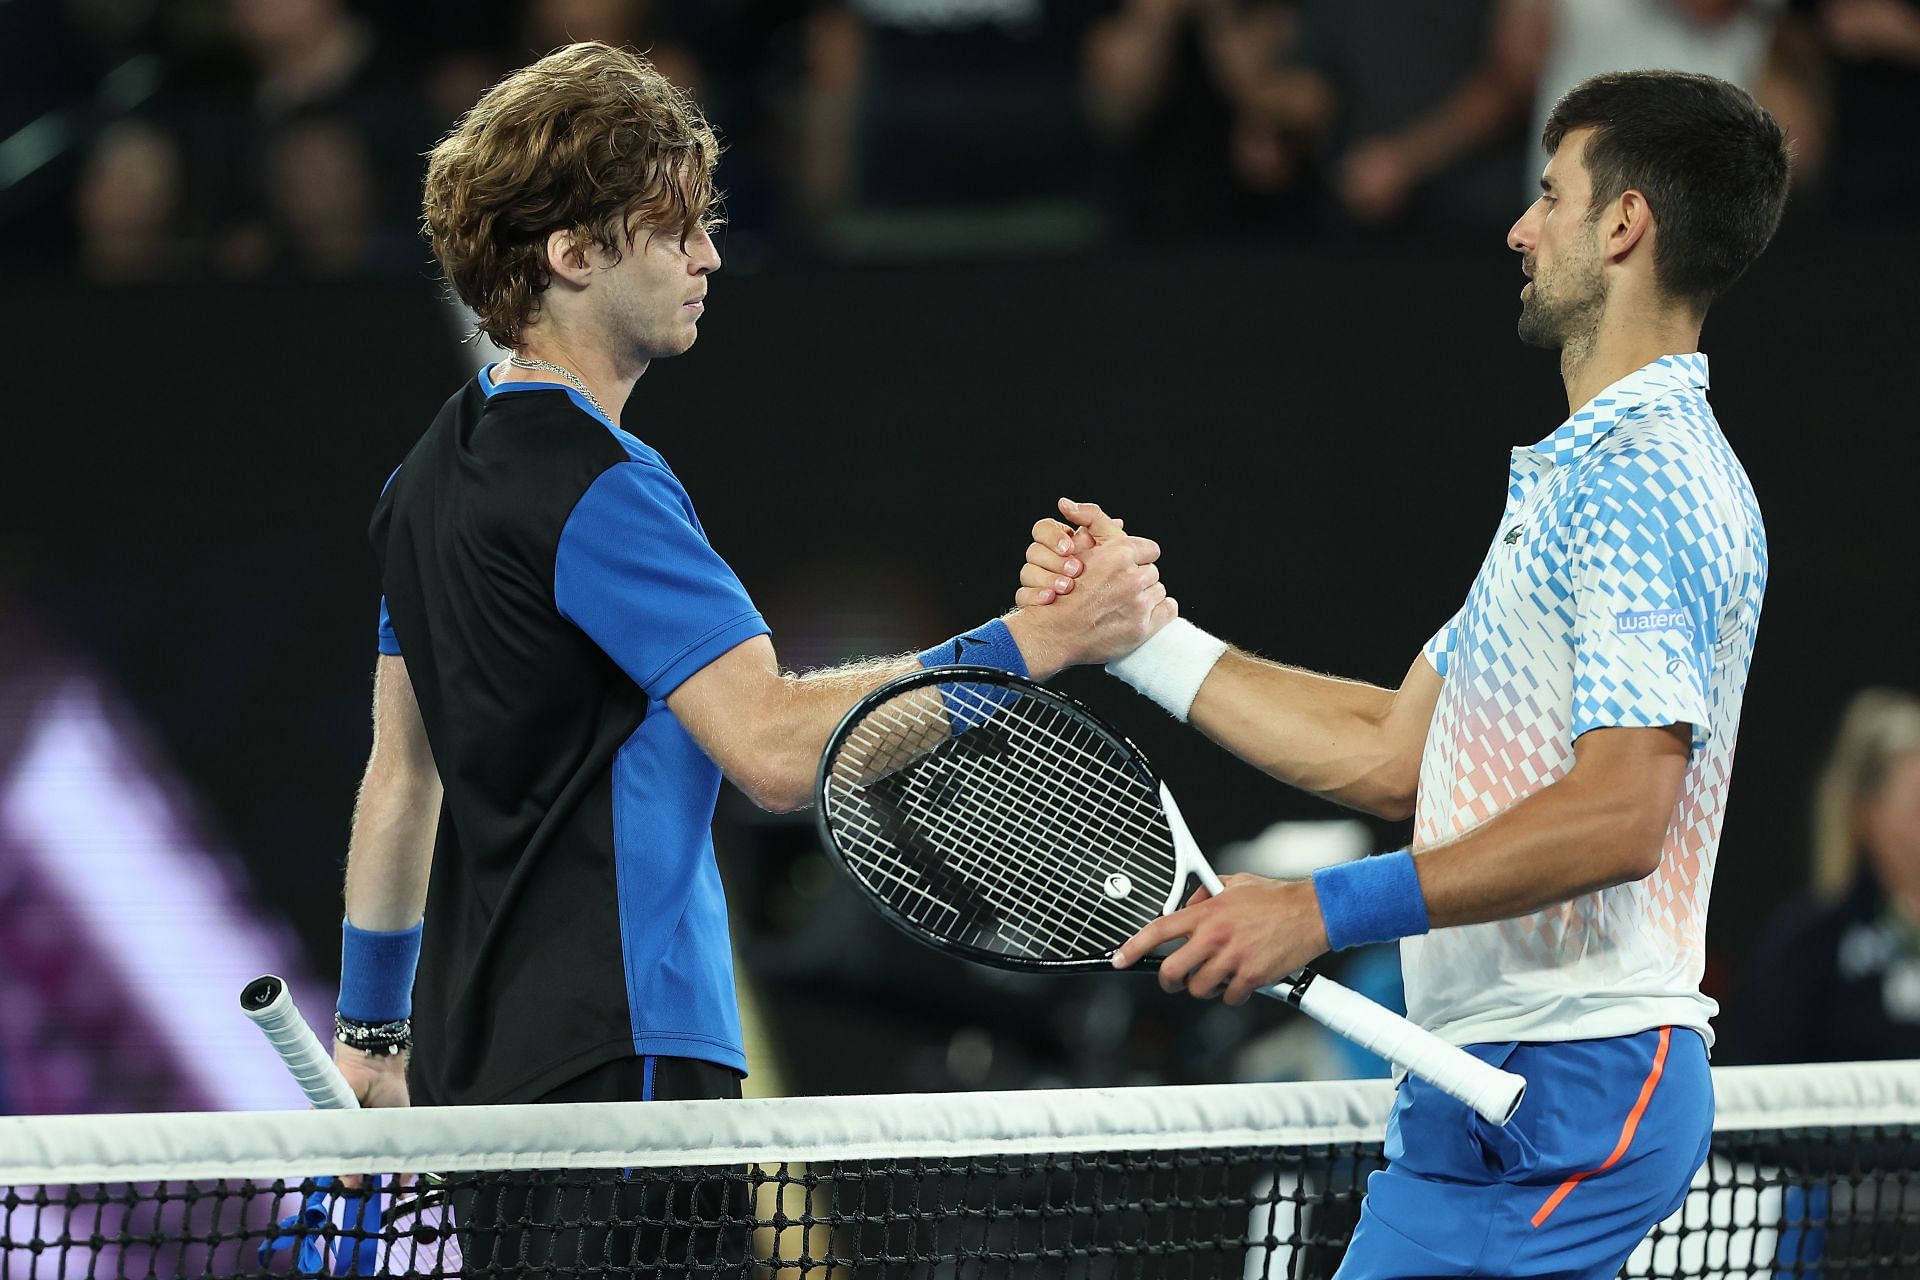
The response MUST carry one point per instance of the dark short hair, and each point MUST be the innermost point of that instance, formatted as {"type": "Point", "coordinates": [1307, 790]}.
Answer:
{"type": "Point", "coordinates": [1710, 160]}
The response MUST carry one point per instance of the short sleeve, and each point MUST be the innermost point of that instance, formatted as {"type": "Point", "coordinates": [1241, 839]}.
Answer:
{"type": "Point", "coordinates": [387, 641]}
{"type": "Point", "coordinates": [1439, 649]}
{"type": "Point", "coordinates": [384, 638]}
{"type": "Point", "coordinates": [634, 571]}
{"type": "Point", "coordinates": [1645, 622]}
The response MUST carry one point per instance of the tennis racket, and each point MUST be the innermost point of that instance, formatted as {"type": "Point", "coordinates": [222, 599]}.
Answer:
{"type": "Point", "coordinates": [1005, 823]}
{"type": "Point", "coordinates": [269, 1004]}
{"type": "Point", "coordinates": [400, 1226]}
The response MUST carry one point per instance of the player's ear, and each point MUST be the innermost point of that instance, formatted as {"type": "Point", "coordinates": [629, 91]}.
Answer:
{"type": "Point", "coordinates": [1627, 222]}
{"type": "Point", "coordinates": [566, 256]}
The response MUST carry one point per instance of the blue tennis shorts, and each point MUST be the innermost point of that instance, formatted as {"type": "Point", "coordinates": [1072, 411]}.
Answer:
{"type": "Point", "coordinates": [1603, 1147]}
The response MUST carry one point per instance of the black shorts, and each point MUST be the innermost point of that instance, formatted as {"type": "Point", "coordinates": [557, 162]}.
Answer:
{"type": "Point", "coordinates": [548, 1224]}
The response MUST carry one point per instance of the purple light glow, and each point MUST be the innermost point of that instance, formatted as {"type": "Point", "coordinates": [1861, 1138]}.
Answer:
{"type": "Point", "coordinates": [158, 923]}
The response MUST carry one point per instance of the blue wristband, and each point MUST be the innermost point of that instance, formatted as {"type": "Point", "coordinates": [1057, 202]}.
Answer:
{"type": "Point", "coordinates": [376, 972]}
{"type": "Point", "coordinates": [989, 646]}
{"type": "Point", "coordinates": [1376, 899]}
{"type": "Point", "coordinates": [972, 705]}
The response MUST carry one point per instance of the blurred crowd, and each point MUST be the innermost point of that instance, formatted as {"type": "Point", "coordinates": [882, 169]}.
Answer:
{"type": "Point", "coordinates": [159, 139]}
{"type": "Point", "coordinates": [173, 140]}
{"type": "Point", "coordinates": [1836, 975]}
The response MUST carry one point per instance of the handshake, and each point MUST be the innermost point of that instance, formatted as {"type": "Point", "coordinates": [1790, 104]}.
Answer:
{"type": "Point", "coordinates": [1089, 592]}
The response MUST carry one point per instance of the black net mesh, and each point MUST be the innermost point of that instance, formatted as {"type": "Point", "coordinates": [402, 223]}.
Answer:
{"type": "Point", "coordinates": [1810, 1203]}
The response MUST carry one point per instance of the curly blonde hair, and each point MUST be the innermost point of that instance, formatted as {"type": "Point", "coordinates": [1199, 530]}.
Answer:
{"type": "Point", "coordinates": [591, 139]}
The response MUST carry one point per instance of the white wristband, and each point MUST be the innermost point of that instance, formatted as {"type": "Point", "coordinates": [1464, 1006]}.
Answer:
{"type": "Point", "coordinates": [1171, 667]}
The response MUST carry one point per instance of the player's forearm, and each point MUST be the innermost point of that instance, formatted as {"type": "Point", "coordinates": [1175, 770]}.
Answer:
{"type": "Point", "coordinates": [1574, 837]}
{"type": "Point", "coordinates": [767, 729]}
{"type": "Point", "coordinates": [807, 708]}
{"type": "Point", "coordinates": [1319, 733]}
{"type": "Point", "coordinates": [391, 850]}
{"type": "Point", "coordinates": [798, 713]}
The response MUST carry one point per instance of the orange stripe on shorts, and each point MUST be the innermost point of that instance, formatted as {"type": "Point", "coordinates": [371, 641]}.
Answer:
{"type": "Point", "coordinates": [1626, 1132]}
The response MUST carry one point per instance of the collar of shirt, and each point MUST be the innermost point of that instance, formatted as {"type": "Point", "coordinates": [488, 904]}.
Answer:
{"type": "Point", "coordinates": [1592, 421]}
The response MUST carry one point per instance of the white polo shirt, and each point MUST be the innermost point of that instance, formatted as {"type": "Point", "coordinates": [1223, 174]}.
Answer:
{"type": "Point", "coordinates": [1622, 588]}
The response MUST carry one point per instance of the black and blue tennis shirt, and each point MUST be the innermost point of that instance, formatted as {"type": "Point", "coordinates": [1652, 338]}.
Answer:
{"type": "Point", "coordinates": [549, 584]}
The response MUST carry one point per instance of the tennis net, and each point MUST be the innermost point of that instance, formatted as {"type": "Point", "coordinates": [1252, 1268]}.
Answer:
{"type": "Point", "coordinates": [1812, 1173]}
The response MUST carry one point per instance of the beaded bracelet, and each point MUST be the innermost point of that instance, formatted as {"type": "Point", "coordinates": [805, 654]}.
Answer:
{"type": "Point", "coordinates": [375, 1039]}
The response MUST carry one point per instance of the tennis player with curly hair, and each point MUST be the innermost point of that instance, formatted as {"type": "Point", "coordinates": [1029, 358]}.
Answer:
{"type": "Point", "coordinates": [567, 667]}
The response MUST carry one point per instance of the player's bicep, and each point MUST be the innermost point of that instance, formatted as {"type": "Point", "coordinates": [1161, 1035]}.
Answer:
{"type": "Point", "coordinates": [1408, 718]}
{"type": "Point", "coordinates": [727, 705]}
{"type": "Point", "coordinates": [1638, 774]}
{"type": "Point", "coordinates": [1413, 705]}
{"type": "Point", "coordinates": [399, 733]}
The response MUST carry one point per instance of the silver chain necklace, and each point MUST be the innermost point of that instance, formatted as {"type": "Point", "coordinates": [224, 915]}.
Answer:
{"type": "Point", "coordinates": [528, 362]}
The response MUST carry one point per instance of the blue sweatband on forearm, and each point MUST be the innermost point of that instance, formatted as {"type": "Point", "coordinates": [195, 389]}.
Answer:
{"type": "Point", "coordinates": [376, 972]}
{"type": "Point", "coordinates": [1376, 899]}
{"type": "Point", "coordinates": [992, 645]}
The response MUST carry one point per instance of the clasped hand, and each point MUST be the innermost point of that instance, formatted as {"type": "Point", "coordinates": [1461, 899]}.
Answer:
{"type": "Point", "coordinates": [1120, 602]}
{"type": "Point", "coordinates": [1230, 945]}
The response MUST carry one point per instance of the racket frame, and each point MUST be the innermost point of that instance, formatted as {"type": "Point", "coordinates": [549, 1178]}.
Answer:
{"type": "Point", "coordinates": [1495, 1094]}
{"type": "Point", "coordinates": [1136, 760]}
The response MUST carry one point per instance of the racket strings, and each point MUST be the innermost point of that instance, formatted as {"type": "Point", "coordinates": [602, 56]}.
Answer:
{"type": "Point", "coordinates": [1027, 832]}
{"type": "Point", "coordinates": [1043, 729]}
{"type": "Point", "coordinates": [1028, 807]}
{"type": "Point", "coordinates": [1104, 824]}
{"type": "Point", "coordinates": [1022, 908]}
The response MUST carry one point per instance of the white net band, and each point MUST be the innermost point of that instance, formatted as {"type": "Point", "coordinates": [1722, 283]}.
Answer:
{"type": "Point", "coordinates": [62, 1150]}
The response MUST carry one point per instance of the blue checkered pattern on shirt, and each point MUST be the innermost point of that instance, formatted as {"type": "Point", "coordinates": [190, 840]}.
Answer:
{"type": "Point", "coordinates": [1622, 589]}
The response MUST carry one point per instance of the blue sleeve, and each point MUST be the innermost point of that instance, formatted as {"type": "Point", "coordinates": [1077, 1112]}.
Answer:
{"type": "Point", "coordinates": [1648, 563]}
{"type": "Point", "coordinates": [635, 572]}
{"type": "Point", "coordinates": [388, 642]}
{"type": "Point", "coordinates": [1439, 649]}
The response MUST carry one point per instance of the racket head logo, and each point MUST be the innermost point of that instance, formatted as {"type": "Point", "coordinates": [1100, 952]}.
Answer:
{"type": "Point", "coordinates": [882, 825]}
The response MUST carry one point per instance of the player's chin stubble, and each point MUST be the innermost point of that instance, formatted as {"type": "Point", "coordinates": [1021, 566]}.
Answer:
{"type": "Point", "coordinates": [1557, 322]}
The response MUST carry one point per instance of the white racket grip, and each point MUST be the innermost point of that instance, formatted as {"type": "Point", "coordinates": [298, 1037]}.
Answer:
{"type": "Point", "coordinates": [1494, 1093]}
{"type": "Point", "coordinates": [268, 1002]}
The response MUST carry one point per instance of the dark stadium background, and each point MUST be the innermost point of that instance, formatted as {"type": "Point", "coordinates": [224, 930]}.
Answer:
{"type": "Point", "coordinates": [1311, 418]}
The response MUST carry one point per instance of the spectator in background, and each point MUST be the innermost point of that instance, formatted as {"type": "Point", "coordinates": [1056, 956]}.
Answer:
{"type": "Point", "coordinates": [1868, 52]}
{"type": "Point", "coordinates": [634, 24]}
{"type": "Point", "coordinates": [1415, 107]}
{"type": "Point", "coordinates": [307, 58]}
{"type": "Point", "coordinates": [1559, 43]}
{"type": "Point", "coordinates": [306, 54]}
{"type": "Point", "coordinates": [959, 109]}
{"type": "Point", "coordinates": [1836, 977]}
{"type": "Point", "coordinates": [1163, 80]}
{"type": "Point", "coordinates": [320, 193]}
{"type": "Point", "coordinates": [127, 206]}
{"type": "Point", "coordinates": [1419, 104]}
